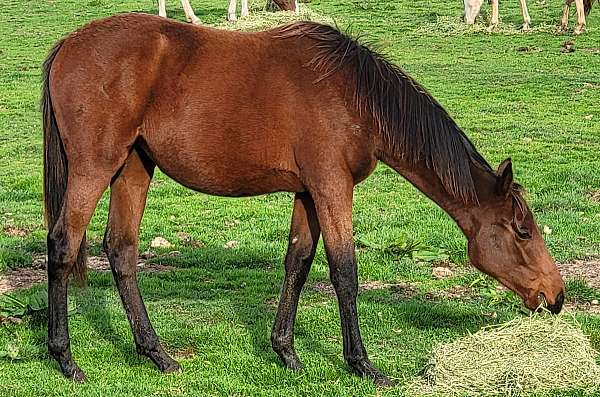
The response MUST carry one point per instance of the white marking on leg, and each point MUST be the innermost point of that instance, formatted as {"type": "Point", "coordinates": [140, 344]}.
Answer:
{"type": "Point", "coordinates": [495, 13]}
{"type": "Point", "coordinates": [189, 12]}
{"type": "Point", "coordinates": [564, 21]}
{"type": "Point", "coordinates": [472, 8]}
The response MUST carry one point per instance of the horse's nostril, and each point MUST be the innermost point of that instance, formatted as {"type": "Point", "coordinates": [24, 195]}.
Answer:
{"type": "Point", "coordinates": [558, 303]}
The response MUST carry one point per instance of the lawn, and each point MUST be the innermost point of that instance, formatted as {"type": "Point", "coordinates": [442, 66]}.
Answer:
{"type": "Point", "coordinates": [515, 94]}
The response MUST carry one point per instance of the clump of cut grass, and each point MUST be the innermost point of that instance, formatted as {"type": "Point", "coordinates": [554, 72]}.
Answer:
{"type": "Point", "coordinates": [536, 354]}
{"type": "Point", "coordinates": [261, 19]}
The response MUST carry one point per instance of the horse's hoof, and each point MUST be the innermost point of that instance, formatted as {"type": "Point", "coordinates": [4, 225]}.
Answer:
{"type": "Point", "coordinates": [526, 27]}
{"type": "Point", "coordinates": [365, 369]}
{"type": "Point", "coordinates": [197, 22]}
{"type": "Point", "coordinates": [290, 359]}
{"type": "Point", "coordinates": [578, 30]}
{"type": "Point", "coordinates": [231, 18]}
{"type": "Point", "coordinates": [492, 27]}
{"type": "Point", "coordinates": [171, 367]}
{"type": "Point", "coordinates": [73, 372]}
{"type": "Point", "coordinates": [293, 364]}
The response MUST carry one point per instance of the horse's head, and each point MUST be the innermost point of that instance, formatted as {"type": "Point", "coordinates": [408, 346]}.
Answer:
{"type": "Point", "coordinates": [472, 8]}
{"type": "Point", "coordinates": [506, 243]}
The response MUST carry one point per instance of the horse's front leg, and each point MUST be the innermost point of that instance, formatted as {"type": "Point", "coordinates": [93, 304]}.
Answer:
{"type": "Point", "coordinates": [526, 17]}
{"type": "Point", "coordinates": [580, 17]}
{"type": "Point", "coordinates": [333, 202]}
{"type": "Point", "coordinates": [302, 244]}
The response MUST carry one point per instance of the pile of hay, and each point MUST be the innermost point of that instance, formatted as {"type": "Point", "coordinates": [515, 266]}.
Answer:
{"type": "Point", "coordinates": [260, 19]}
{"type": "Point", "coordinates": [537, 354]}
{"type": "Point", "coordinates": [455, 26]}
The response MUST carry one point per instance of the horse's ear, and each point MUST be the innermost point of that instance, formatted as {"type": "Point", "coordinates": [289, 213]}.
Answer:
{"type": "Point", "coordinates": [504, 179]}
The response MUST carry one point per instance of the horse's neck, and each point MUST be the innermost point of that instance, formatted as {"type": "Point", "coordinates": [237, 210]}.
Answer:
{"type": "Point", "coordinates": [426, 180]}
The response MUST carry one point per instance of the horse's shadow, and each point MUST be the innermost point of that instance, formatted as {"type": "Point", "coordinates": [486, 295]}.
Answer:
{"type": "Point", "coordinates": [254, 305]}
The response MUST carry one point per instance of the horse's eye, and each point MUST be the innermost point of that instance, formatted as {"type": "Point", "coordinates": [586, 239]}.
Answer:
{"type": "Point", "coordinates": [522, 232]}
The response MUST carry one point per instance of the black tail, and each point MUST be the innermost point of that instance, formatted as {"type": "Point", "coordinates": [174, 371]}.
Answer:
{"type": "Point", "coordinates": [55, 166]}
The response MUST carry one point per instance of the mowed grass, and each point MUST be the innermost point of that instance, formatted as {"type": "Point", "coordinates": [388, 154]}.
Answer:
{"type": "Point", "coordinates": [515, 95]}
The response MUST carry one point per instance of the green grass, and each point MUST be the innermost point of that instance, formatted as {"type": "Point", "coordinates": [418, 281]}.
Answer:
{"type": "Point", "coordinates": [214, 312]}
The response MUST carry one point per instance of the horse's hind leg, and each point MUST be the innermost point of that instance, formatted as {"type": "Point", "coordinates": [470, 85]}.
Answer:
{"type": "Point", "coordinates": [81, 196]}
{"type": "Point", "coordinates": [302, 243]}
{"type": "Point", "coordinates": [564, 21]}
{"type": "Point", "coordinates": [127, 200]}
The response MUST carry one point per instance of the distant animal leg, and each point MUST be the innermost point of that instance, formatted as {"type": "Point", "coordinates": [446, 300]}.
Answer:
{"type": "Point", "coordinates": [495, 14]}
{"type": "Point", "coordinates": [564, 21]}
{"type": "Point", "coordinates": [232, 10]}
{"type": "Point", "coordinates": [526, 18]}
{"type": "Point", "coordinates": [472, 8]}
{"type": "Point", "coordinates": [162, 8]}
{"type": "Point", "coordinates": [580, 17]}
{"type": "Point", "coordinates": [245, 10]}
{"type": "Point", "coordinates": [302, 244]}
{"type": "Point", "coordinates": [127, 200]}
{"type": "Point", "coordinates": [189, 13]}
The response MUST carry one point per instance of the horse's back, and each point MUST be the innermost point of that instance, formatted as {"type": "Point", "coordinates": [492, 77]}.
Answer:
{"type": "Point", "coordinates": [222, 112]}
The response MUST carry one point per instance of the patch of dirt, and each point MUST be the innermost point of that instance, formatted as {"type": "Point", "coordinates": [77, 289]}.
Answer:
{"type": "Point", "coordinates": [404, 290]}
{"type": "Point", "coordinates": [582, 307]}
{"type": "Point", "coordinates": [26, 277]}
{"type": "Point", "coordinates": [326, 288]}
{"type": "Point", "coordinates": [13, 231]}
{"type": "Point", "coordinates": [586, 269]}
{"type": "Point", "coordinates": [456, 292]}
{"type": "Point", "coordinates": [594, 195]}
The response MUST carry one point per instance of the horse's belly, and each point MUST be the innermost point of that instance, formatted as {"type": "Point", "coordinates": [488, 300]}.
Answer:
{"type": "Point", "coordinates": [232, 178]}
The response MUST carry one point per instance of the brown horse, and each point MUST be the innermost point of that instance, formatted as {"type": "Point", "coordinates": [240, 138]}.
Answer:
{"type": "Point", "coordinates": [132, 92]}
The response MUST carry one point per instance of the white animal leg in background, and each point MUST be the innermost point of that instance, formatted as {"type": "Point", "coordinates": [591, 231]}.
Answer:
{"type": "Point", "coordinates": [189, 13]}
{"type": "Point", "coordinates": [245, 11]}
{"type": "Point", "coordinates": [297, 7]}
{"type": "Point", "coordinates": [564, 21]}
{"type": "Point", "coordinates": [162, 8]}
{"type": "Point", "coordinates": [526, 18]}
{"type": "Point", "coordinates": [580, 17]}
{"type": "Point", "coordinates": [472, 8]}
{"type": "Point", "coordinates": [232, 10]}
{"type": "Point", "coordinates": [495, 12]}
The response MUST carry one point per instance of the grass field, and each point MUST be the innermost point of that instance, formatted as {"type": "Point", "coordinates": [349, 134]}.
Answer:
{"type": "Point", "coordinates": [515, 94]}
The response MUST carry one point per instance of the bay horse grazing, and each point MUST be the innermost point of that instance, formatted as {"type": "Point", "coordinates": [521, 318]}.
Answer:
{"type": "Point", "coordinates": [284, 5]}
{"type": "Point", "coordinates": [583, 8]}
{"type": "Point", "coordinates": [328, 110]}
{"type": "Point", "coordinates": [472, 8]}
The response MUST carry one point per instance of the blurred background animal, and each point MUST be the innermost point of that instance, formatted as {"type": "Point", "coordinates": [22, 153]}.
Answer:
{"type": "Point", "coordinates": [583, 8]}
{"type": "Point", "coordinates": [274, 5]}
{"type": "Point", "coordinates": [472, 8]}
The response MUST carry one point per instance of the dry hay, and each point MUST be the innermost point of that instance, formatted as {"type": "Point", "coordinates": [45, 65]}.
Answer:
{"type": "Point", "coordinates": [260, 19]}
{"type": "Point", "coordinates": [454, 25]}
{"type": "Point", "coordinates": [529, 355]}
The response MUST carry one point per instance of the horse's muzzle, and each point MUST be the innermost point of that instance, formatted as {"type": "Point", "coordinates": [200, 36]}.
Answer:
{"type": "Point", "coordinates": [558, 304]}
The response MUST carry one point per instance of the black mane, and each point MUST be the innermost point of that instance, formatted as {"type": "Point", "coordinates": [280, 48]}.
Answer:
{"type": "Point", "coordinates": [410, 120]}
